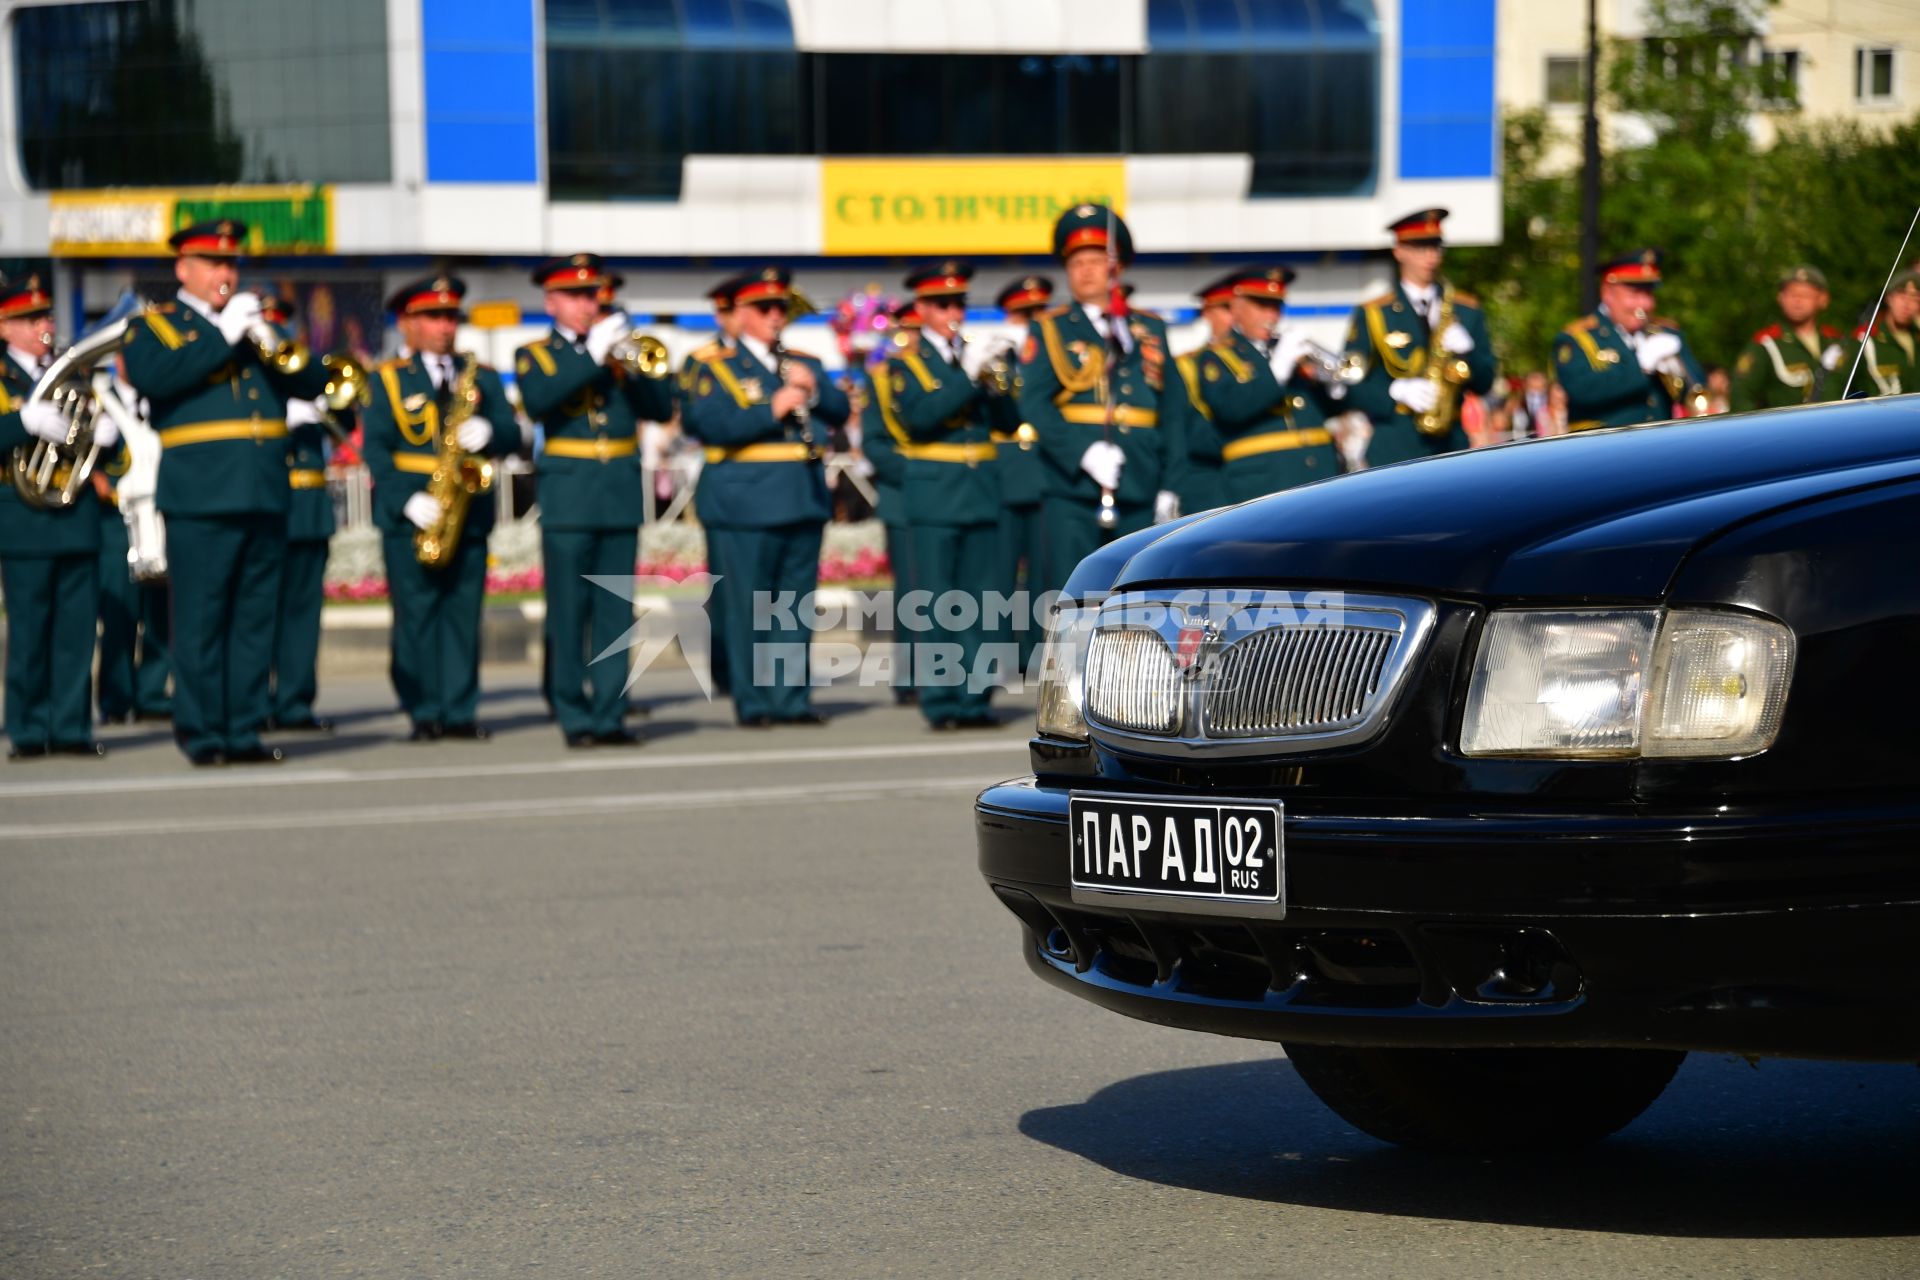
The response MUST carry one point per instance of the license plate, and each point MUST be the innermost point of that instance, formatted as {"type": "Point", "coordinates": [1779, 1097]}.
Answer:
{"type": "Point", "coordinates": [1221, 850]}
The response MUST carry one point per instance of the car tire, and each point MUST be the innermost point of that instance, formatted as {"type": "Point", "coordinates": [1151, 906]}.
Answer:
{"type": "Point", "coordinates": [1480, 1100]}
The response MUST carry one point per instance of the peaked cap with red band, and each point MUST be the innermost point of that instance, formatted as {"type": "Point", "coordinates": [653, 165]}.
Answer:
{"type": "Point", "coordinates": [945, 279]}
{"type": "Point", "coordinates": [1641, 267]}
{"type": "Point", "coordinates": [1085, 226]}
{"type": "Point", "coordinates": [575, 271]}
{"type": "Point", "coordinates": [427, 294]}
{"type": "Point", "coordinates": [906, 316]}
{"type": "Point", "coordinates": [769, 284]}
{"type": "Point", "coordinates": [1418, 228]}
{"type": "Point", "coordinates": [221, 238]}
{"type": "Point", "coordinates": [1025, 294]}
{"type": "Point", "coordinates": [26, 296]}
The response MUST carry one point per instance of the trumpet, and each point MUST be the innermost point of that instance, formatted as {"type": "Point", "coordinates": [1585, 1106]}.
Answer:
{"type": "Point", "coordinates": [640, 354]}
{"type": "Point", "coordinates": [1348, 367]}
{"type": "Point", "coordinates": [1689, 398]}
{"type": "Point", "coordinates": [282, 355]}
{"type": "Point", "coordinates": [996, 376]}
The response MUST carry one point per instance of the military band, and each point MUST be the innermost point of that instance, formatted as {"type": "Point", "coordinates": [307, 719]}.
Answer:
{"type": "Point", "coordinates": [726, 326]}
{"type": "Point", "coordinates": [1203, 481]}
{"type": "Point", "coordinates": [1423, 346]}
{"type": "Point", "coordinates": [1623, 365]}
{"type": "Point", "coordinates": [1022, 546]}
{"type": "Point", "coordinates": [310, 527]}
{"type": "Point", "coordinates": [437, 600]}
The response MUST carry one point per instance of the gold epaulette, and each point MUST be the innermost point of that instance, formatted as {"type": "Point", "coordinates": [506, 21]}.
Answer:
{"type": "Point", "coordinates": [1054, 313]}
{"type": "Point", "coordinates": [531, 354]}
{"type": "Point", "coordinates": [398, 362]}
{"type": "Point", "coordinates": [1581, 325]}
{"type": "Point", "coordinates": [1380, 301]}
{"type": "Point", "coordinates": [1238, 367]}
{"type": "Point", "coordinates": [1465, 299]}
{"type": "Point", "coordinates": [165, 308]}
{"type": "Point", "coordinates": [709, 350]}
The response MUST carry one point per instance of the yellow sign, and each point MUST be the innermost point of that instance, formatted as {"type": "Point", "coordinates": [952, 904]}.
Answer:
{"type": "Point", "coordinates": [126, 222]}
{"type": "Point", "coordinates": [493, 315]}
{"type": "Point", "coordinates": [886, 207]}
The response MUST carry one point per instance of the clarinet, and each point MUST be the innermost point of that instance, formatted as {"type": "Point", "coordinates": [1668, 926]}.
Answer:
{"type": "Point", "coordinates": [799, 423]}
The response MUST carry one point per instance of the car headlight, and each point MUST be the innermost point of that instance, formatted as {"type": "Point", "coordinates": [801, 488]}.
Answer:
{"type": "Point", "coordinates": [1572, 683]}
{"type": "Point", "coordinates": [1060, 708]}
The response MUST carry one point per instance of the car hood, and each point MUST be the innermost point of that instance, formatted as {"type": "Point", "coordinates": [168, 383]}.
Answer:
{"type": "Point", "coordinates": [1603, 514]}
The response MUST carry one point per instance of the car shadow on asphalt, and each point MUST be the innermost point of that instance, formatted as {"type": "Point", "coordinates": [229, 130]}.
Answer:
{"type": "Point", "coordinates": [1785, 1151]}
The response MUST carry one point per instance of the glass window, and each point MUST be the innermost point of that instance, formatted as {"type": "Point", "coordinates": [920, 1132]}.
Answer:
{"type": "Point", "coordinates": [1873, 75]}
{"type": "Point", "coordinates": [191, 92]}
{"type": "Point", "coordinates": [936, 104]}
{"type": "Point", "coordinates": [1780, 77]}
{"type": "Point", "coordinates": [1566, 80]}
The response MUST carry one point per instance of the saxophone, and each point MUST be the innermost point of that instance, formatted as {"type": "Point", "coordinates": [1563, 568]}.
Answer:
{"type": "Point", "coordinates": [458, 476]}
{"type": "Point", "coordinates": [1447, 373]}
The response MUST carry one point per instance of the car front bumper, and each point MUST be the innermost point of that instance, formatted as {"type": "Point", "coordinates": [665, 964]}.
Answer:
{"type": "Point", "coordinates": [1760, 934]}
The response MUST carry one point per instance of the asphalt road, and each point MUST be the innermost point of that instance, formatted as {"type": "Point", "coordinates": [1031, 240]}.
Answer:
{"type": "Point", "coordinates": [734, 1004]}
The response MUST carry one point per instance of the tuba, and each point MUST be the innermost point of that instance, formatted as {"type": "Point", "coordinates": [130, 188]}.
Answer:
{"type": "Point", "coordinates": [79, 382]}
{"type": "Point", "coordinates": [458, 476]}
{"type": "Point", "coordinates": [1447, 373]}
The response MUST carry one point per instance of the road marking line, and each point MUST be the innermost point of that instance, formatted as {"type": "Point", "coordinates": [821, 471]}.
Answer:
{"type": "Point", "coordinates": [613, 762]}
{"type": "Point", "coordinates": [496, 810]}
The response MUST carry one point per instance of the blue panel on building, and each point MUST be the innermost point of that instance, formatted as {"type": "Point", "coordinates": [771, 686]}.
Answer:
{"type": "Point", "coordinates": [1448, 119]}
{"type": "Point", "coordinates": [482, 107]}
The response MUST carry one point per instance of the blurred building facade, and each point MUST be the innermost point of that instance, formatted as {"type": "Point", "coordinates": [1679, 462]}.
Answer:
{"type": "Point", "coordinates": [365, 139]}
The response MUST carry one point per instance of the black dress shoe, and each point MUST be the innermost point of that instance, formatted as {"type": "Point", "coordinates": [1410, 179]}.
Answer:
{"type": "Point", "coordinates": [617, 738]}
{"type": "Point", "coordinates": [27, 751]}
{"type": "Point", "coordinates": [206, 757]}
{"type": "Point", "coordinates": [91, 749]}
{"type": "Point", "coordinates": [426, 731]}
{"type": "Point", "coordinates": [905, 697]}
{"type": "Point", "coordinates": [756, 722]}
{"type": "Point", "coordinates": [988, 721]}
{"type": "Point", "coordinates": [640, 711]}
{"type": "Point", "coordinates": [579, 740]}
{"type": "Point", "coordinates": [162, 716]}
{"type": "Point", "coordinates": [470, 731]}
{"type": "Point", "coordinates": [116, 717]}
{"type": "Point", "coordinates": [945, 724]}
{"type": "Point", "coordinates": [256, 755]}
{"type": "Point", "coordinates": [316, 724]}
{"type": "Point", "coordinates": [813, 718]}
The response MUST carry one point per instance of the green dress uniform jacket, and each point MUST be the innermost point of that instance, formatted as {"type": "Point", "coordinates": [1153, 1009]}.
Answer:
{"type": "Point", "coordinates": [592, 502]}
{"type": "Point", "coordinates": [1023, 483]}
{"type": "Point", "coordinates": [683, 395]}
{"type": "Point", "coordinates": [1063, 393]}
{"type": "Point", "coordinates": [1391, 335]}
{"type": "Point", "coordinates": [1777, 368]}
{"type": "Point", "coordinates": [1605, 384]}
{"type": "Point", "coordinates": [135, 620]}
{"type": "Point", "coordinates": [1890, 366]}
{"type": "Point", "coordinates": [49, 573]}
{"type": "Point", "coordinates": [953, 506]}
{"type": "Point", "coordinates": [764, 502]}
{"type": "Point", "coordinates": [880, 438]}
{"type": "Point", "coordinates": [435, 663]}
{"type": "Point", "coordinates": [1203, 483]}
{"type": "Point", "coordinates": [223, 487]}
{"type": "Point", "coordinates": [310, 524]}
{"type": "Point", "coordinates": [1274, 435]}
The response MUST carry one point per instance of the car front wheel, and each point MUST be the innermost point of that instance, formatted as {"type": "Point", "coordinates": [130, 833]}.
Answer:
{"type": "Point", "coordinates": [1485, 1099]}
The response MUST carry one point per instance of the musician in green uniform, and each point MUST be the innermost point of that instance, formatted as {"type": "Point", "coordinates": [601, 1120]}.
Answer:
{"type": "Point", "coordinates": [1623, 365]}
{"type": "Point", "coordinates": [1203, 484]}
{"type": "Point", "coordinates": [436, 609]}
{"type": "Point", "coordinates": [1100, 389]}
{"type": "Point", "coordinates": [134, 621]}
{"type": "Point", "coordinates": [1888, 365]}
{"type": "Point", "coordinates": [310, 525]}
{"type": "Point", "coordinates": [726, 325]}
{"type": "Point", "coordinates": [1270, 411]}
{"type": "Point", "coordinates": [881, 436]}
{"type": "Point", "coordinates": [591, 403]}
{"type": "Point", "coordinates": [1424, 344]}
{"type": "Point", "coordinates": [764, 412]}
{"type": "Point", "coordinates": [49, 557]}
{"type": "Point", "coordinates": [1796, 359]}
{"type": "Point", "coordinates": [206, 364]}
{"type": "Point", "coordinates": [931, 384]}
{"type": "Point", "coordinates": [1022, 476]}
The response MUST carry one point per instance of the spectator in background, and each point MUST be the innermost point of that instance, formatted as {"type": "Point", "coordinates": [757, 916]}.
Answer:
{"type": "Point", "coordinates": [1555, 423]}
{"type": "Point", "coordinates": [1719, 389]}
{"type": "Point", "coordinates": [1530, 409]}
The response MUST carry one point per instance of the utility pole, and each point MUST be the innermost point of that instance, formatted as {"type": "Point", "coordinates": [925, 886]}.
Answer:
{"type": "Point", "coordinates": [1590, 173]}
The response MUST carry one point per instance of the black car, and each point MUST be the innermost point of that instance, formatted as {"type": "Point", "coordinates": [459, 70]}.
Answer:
{"type": "Point", "coordinates": [1490, 785]}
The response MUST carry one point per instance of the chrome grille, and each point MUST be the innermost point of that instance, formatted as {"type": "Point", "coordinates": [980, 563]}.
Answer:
{"type": "Point", "coordinates": [1225, 672]}
{"type": "Point", "coordinates": [1295, 679]}
{"type": "Point", "coordinates": [1132, 682]}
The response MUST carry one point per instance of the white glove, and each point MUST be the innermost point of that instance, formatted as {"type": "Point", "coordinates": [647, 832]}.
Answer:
{"type": "Point", "coordinates": [1287, 354]}
{"type": "Point", "coordinates": [240, 314]}
{"type": "Point", "coordinates": [474, 434]}
{"type": "Point", "coordinates": [1166, 506]}
{"type": "Point", "coordinates": [605, 333]}
{"type": "Point", "coordinates": [1417, 394]}
{"type": "Point", "coordinates": [106, 432]}
{"type": "Point", "coordinates": [1456, 339]}
{"type": "Point", "coordinates": [422, 509]}
{"type": "Point", "coordinates": [1103, 461]}
{"type": "Point", "coordinates": [45, 421]}
{"type": "Point", "coordinates": [973, 358]}
{"type": "Point", "coordinates": [1830, 358]}
{"type": "Point", "coordinates": [302, 413]}
{"type": "Point", "coordinates": [1661, 346]}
